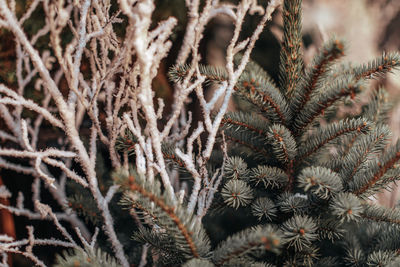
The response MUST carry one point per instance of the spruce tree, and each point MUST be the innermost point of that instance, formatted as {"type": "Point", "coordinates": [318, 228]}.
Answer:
{"type": "Point", "coordinates": [298, 179]}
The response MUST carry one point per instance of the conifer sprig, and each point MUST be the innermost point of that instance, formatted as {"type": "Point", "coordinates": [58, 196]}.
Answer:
{"type": "Point", "coordinates": [291, 60]}
{"type": "Point", "coordinates": [236, 168]}
{"type": "Point", "coordinates": [331, 132]}
{"type": "Point", "coordinates": [365, 148]}
{"type": "Point", "coordinates": [300, 231]}
{"type": "Point", "coordinates": [270, 177]}
{"type": "Point", "coordinates": [330, 52]}
{"type": "Point", "coordinates": [365, 181]}
{"type": "Point", "coordinates": [237, 193]}
{"type": "Point", "coordinates": [343, 87]}
{"type": "Point", "coordinates": [283, 143]}
{"type": "Point", "coordinates": [378, 67]}
{"type": "Point", "coordinates": [381, 214]}
{"type": "Point", "coordinates": [85, 258]}
{"type": "Point", "coordinates": [293, 203]}
{"type": "Point", "coordinates": [188, 234]}
{"type": "Point", "coordinates": [248, 141]}
{"type": "Point", "coordinates": [264, 207]}
{"type": "Point", "coordinates": [320, 181]}
{"type": "Point", "coordinates": [266, 238]}
{"type": "Point", "coordinates": [268, 100]}
{"type": "Point", "coordinates": [346, 207]}
{"type": "Point", "coordinates": [244, 122]}
{"type": "Point", "coordinates": [379, 106]}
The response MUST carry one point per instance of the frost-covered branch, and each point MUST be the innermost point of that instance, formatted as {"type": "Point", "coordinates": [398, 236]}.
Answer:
{"type": "Point", "coordinates": [96, 85]}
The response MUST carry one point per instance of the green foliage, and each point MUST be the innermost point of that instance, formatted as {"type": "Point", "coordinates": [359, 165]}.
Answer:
{"type": "Point", "coordinates": [306, 173]}
{"type": "Point", "coordinates": [290, 69]}
{"type": "Point", "coordinates": [262, 238]}
{"type": "Point", "coordinates": [85, 258]}
{"type": "Point", "coordinates": [236, 193]}
{"type": "Point", "coordinates": [264, 207]}
{"type": "Point", "coordinates": [320, 181]}
{"type": "Point", "coordinates": [297, 179]}
{"type": "Point", "coordinates": [182, 228]}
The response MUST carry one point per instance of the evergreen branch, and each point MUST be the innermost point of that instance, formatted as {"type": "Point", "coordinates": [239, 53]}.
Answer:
{"type": "Point", "coordinates": [300, 231]}
{"type": "Point", "coordinates": [383, 258]}
{"type": "Point", "coordinates": [330, 229]}
{"type": "Point", "coordinates": [381, 214]}
{"type": "Point", "coordinates": [236, 168]}
{"type": "Point", "coordinates": [254, 70]}
{"type": "Point", "coordinates": [327, 262]}
{"type": "Point", "coordinates": [126, 143]}
{"type": "Point", "coordinates": [244, 140]}
{"type": "Point", "coordinates": [264, 207]}
{"type": "Point", "coordinates": [346, 207]}
{"type": "Point", "coordinates": [366, 146]}
{"type": "Point", "coordinates": [331, 51]}
{"type": "Point", "coordinates": [185, 231]}
{"type": "Point", "coordinates": [346, 143]}
{"type": "Point", "coordinates": [377, 169]}
{"type": "Point", "coordinates": [321, 181]}
{"type": "Point", "coordinates": [198, 263]}
{"type": "Point", "coordinates": [346, 86]}
{"type": "Point", "coordinates": [241, 121]}
{"type": "Point", "coordinates": [246, 261]}
{"type": "Point", "coordinates": [85, 206]}
{"type": "Point", "coordinates": [378, 67]}
{"type": "Point", "coordinates": [392, 175]}
{"type": "Point", "coordinates": [266, 237]}
{"type": "Point", "coordinates": [236, 193]}
{"type": "Point", "coordinates": [379, 106]}
{"type": "Point", "coordinates": [283, 144]}
{"type": "Point", "coordinates": [293, 203]}
{"type": "Point", "coordinates": [388, 238]}
{"type": "Point", "coordinates": [163, 246]}
{"type": "Point", "coordinates": [85, 258]}
{"type": "Point", "coordinates": [329, 133]}
{"type": "Point", "coordinates": [266, 97]}
{"type": "Point", "coordinates": [142, 211]}
{"type": "Point", "coordinates": [291, 61]}
{"type": "Point", "coordinates": [271, 177]}
{"type": "Point", "coordinates": [168, 151]}
{"type": "Point", "coordinates": [167, 209]}
{"type": "Point", "coordinates": [212, 73]}
{"type": "Point", "coordinates": [354, 256]}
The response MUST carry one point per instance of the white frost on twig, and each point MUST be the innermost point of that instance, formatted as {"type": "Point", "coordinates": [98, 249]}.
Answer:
{"type": "Point", "coordinates": [4, 193]}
